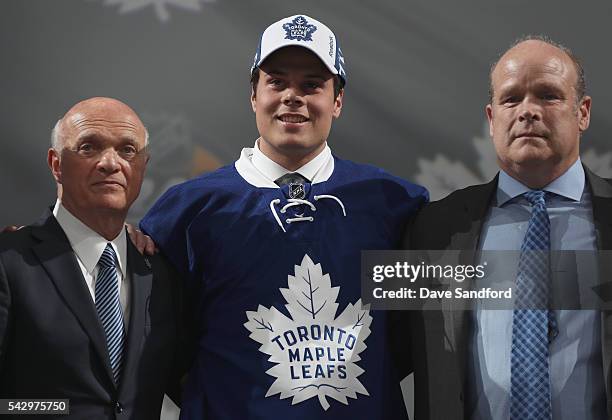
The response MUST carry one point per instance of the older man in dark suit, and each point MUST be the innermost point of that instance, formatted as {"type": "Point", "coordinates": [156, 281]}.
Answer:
{"type": "Point", "coordinates": [524, 364]}
{"type": "Point", "coordinates": [83, 316]}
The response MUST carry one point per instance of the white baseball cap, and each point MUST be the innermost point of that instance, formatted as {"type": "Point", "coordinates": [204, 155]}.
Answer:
{"type": "Point", "coordinates": [302, 31]}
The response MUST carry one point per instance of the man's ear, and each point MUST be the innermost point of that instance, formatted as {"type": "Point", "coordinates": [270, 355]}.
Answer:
{"type": "Point", "coordinates": [253, 99]}
{"type": "Point", "coordinates": [338, 103]}
{"type": "Point", "coordinates": [53, 160]}
{"type": "Point", "coordinates": [489, 112]}
{"type": "Point", "coordinates": [584, 113]}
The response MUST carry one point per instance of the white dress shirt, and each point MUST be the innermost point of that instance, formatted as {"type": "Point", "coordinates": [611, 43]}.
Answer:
{"type": "Point", "coordinates": [88, 247]}
{"type": "Point", "coordinates": [261, 171]}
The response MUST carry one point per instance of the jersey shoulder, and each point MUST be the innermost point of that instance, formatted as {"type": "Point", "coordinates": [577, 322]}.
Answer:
{"type": "Point", "coordinates": [216, 185]}
{"type": "Point", "coordinates": [349, 171]}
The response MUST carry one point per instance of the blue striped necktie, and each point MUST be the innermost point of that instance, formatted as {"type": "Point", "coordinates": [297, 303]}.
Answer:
{"type": "Point", "coordinates": [109, 308]}
{"type": "Point", "coordinates": [533, 322]}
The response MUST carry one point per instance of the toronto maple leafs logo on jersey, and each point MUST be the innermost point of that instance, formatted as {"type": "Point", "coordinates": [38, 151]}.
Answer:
{"type": "Point", "coordinates": [315, 353]}
{"type": "Point", "coordinates": [299, 29]}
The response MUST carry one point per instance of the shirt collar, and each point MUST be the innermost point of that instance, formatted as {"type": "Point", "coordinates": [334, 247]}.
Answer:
{"type": "Point", "coordinates": [570, 185]}
{"type": "Point", "coordinates": [87, 244]}
{"type": "Point", "coordinates": [273, 170]}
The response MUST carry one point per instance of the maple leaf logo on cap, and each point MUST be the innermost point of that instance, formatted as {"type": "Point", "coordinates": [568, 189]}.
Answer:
{"type": "Point", "coordinates": [299, 29]}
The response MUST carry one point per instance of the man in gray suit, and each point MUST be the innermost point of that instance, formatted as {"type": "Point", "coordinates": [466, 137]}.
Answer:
{"type": "Point", "coordinates": [524, 364]}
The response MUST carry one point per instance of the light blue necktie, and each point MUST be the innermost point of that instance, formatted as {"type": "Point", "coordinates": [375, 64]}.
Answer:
{"type": "Point", "coordinates": [109, 308]}
{"type": "Point", "coordinates": [533, 324]}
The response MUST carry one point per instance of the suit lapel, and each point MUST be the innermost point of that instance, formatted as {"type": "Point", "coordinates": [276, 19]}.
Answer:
{"type": "Point", "coordinates": [141, 278]}
{"type": "Point", "coordinates": [467, 229]}
{"type": "Point", "coordinates": [601, 199]}
{"type": "Point", "coordinates": [476, 204]}
{"type": "Point", "coordinates": [601, 192]}
{"type": "Point", "coordinates": [59, 261]}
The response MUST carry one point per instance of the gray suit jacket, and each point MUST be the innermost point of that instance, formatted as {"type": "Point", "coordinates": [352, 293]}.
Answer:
{"type": "Point", "coordinates": [455, 223]}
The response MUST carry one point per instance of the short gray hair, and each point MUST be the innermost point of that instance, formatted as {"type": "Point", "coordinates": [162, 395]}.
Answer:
{"type": "Point", "coordinates": [55, 140]}
{"type": "Point", "coordinates": [580, 85]}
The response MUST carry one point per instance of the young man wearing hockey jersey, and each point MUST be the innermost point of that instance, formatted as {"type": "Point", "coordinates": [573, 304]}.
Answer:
{"type": "Point", "coordinates": [271, 246]}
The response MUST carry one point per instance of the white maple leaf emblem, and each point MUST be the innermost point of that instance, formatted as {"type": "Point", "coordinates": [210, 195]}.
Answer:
{"type": "Point", "coordinates": [316, 354]}
{"type": "Point", "coordinates": [443, 175]}
{"type": "Point", "coordinates": [160, 6]}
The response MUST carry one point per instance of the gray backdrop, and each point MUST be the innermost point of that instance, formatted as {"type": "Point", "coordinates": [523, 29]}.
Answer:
{"type": "Point", "coordinates": [413, 105]}
{"type": "Point", "coordinates": [414, 100]}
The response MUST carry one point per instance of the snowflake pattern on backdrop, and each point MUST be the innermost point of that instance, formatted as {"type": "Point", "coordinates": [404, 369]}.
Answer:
{"type": "Point", "coordinates": [443, 175]}
{"type": "Point", "coordinates": [315, 353]}
{"type": "Point", "coordinates": [159, 6]}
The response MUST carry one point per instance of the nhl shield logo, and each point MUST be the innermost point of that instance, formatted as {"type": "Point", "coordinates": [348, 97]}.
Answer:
{"type": "Point", "coordinates": [296, 190]}
{"type": "Point", "coordinates": [299, 29]}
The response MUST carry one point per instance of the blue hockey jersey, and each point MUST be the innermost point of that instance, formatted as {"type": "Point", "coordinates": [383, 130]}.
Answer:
{"type": "Point", "coordinates": [282, 332]}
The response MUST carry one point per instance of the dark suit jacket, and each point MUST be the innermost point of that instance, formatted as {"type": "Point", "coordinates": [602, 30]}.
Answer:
{"type": "Point", "coordinates": [455, 223]}
{"type": "Point", "coordinates": [52, 344]}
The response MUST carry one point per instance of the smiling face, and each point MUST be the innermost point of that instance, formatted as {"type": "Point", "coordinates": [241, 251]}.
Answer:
{"type": "Point", "coordinates": [102, 159]}
{"type": "Point", "coordinates": [535, 117]}
{"type": "Point", "coordinates": [294, 106]}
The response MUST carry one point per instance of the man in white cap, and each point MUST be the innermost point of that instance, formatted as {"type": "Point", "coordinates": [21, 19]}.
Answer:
{"type": "Point", "coordinates": [271, 247]}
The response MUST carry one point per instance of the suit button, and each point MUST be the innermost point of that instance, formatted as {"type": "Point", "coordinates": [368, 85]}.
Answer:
{"type": "Point", "coordinates": [118, 408]}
